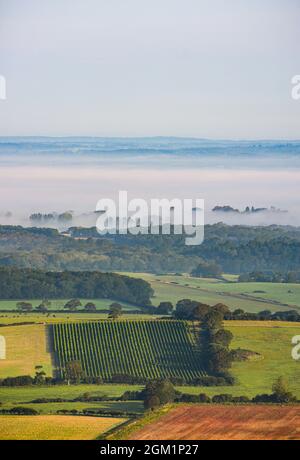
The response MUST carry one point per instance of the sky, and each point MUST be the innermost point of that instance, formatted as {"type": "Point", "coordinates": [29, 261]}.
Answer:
{"type": "Point", "coordinates": [218, 69]}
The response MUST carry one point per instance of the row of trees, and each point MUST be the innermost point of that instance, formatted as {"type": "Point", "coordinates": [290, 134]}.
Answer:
{"type": "Point", "coordinates": [215, 342]}
{"type": "Point", "coordinates": [115, 309]}
{"type": "Point", "coordinates": [27, 306]}
{"type": "Point", "coordinates": [161, 392]}
{"type": "Point", "coordinates": [270, 277]}
{"type": "Point", "coordinates": [192, 310]}
{"type": "Point", "coordinates": [35, 284]}
{"type": "Point", "coordinates": [186, 309]}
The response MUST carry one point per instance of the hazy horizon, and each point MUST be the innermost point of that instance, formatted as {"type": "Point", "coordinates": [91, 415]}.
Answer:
{"type": "Point", "coordinates": [211, 69]}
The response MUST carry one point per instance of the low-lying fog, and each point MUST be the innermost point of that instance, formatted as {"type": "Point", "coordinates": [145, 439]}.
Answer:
{"type": "Point", "coordinates": [45, 182]}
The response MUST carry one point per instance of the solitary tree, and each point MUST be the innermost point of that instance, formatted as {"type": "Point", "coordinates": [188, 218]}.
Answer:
{"type": "Point", "coordinates": [281, 391]}
{"type": "Point", "coordinates": [24, 306]}
{"type": "Point", "coordinates": [42, 308]}
{"type": "Point", "coordinates": [90, 306]}
{"type": "Point", "coordinates": [158, 392]}
{"type": "Point", "coordinates": [152, 402]}
{"type": "Point", "coordinates": [74, 371]}
{"type": "Point", "coordinates": [115, 310]}
{"type": "Point", "coordinates": [40, 375]}
{"type": "Point", "coordinates": [72, 304]}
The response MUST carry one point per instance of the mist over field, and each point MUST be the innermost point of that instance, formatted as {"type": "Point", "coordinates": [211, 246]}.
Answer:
{"type": "Point", "coordinates": [61, 174]}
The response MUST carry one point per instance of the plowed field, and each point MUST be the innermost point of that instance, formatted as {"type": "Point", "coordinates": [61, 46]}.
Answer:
{"type": "Point", "coordinates": [195, 422]}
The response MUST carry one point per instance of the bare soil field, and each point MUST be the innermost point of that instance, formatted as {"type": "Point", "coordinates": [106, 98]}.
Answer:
{"type": "Point", "coordinates": [199, 422]}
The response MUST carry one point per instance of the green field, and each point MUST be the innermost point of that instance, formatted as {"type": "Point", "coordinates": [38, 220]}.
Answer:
{"type": "Point", "coordinates": [19, 395]}
{"type": "Point", "coordinates": [26, 346]}
{"type": "Point", "coordinates": [23, 396]}
{"type": "Point", "coordinates": [106, 407]}
{"type": "Point", "coordinates": [285, 293]}
{"type": "Point", "coordinates": [273, 342]}
{"type": "Point", "coordinates": [252, 297]}
{"type": "Point", "coordinates": [276, 296]}
{"type": "Point", "coordinates": [50, 318]}
{"type": "Point", "coordinates": [150, 349]}
{"type": "Point", "coordinates": [58, 304]}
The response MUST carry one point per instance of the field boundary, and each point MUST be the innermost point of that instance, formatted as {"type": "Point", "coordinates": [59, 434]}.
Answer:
{"type": "Point", "coordinates": [125, 430]}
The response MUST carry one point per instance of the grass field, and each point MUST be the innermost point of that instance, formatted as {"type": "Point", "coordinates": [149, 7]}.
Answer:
{"type": "Point", "coordinates": [58, 304]}
{"type": "Point", "coordinates": [26, 347]}
{"type": "Point", "coordinates": [150, 349]}
{"type": "Point", "coordinates": [285, 293]}
{"type": "Point", "coordinates": [20, 395]}
{"type": "Point", "coordinates": [276, 296]}
{"type": "Point", "coordinates": [54, 427]}
{"type": "Point", "coordinates": [196, 422]}
{"type": "Point", "coordinates": [252, 297]}
{"type": "Point", "coordinates": [10, 317]}
{"type": "Point", "coordinates": [107, 407]}
{"type": "Point", "coordinates": [272, 340]}
{"type": "Point", "coordinates": [23, 396]}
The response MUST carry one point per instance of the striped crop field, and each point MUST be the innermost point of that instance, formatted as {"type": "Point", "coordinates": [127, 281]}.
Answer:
{"type": "Point", "coordinates": [149, 349]}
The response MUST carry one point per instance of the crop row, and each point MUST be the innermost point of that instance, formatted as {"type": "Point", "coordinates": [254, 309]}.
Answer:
{"type": "Point", "coordinates": [149, 349]}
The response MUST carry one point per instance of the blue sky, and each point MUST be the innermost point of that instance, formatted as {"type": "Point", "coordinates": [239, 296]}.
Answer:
{"type": "Point", "coordinates": [204, 68]}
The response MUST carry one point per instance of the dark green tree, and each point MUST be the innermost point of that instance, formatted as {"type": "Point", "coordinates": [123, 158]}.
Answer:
{"type": "Point", "coordinates": [74, 372]}
{"type": "Point", "coordinates": [24, 306]}
{"type": "Point", "coordinates": [281, 391]}
{"type": "Point", "coordinates": [207, 269]}
{"type": "Point", "coordinates": [213, 320]}
{"type": "Point", "coordinates": [115, 310]}
{"type": "Point", "coordinates": [165, 308]}
{"type": "Point", "coordinates": [90, 306]}
{"type": "Point", "coordinates": [161, 391]}
{"type": "Point", "coordinates": [40, 375]}
{"type": "Point", "coordinates": [72, 304]}
{"type": "Point", "coordinates": [223, 337]}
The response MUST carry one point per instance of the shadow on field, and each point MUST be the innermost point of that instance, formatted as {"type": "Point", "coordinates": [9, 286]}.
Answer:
{"type": "Point", "coordinates": [50, 348]}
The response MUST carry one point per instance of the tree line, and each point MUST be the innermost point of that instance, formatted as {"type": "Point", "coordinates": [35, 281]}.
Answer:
{"type": "Point", "coordinates": [229, 249]}
{"type": "Point", "coordinates": [36, 284]}
{"type": "Point", "coordinates": [270, 277]}
{"type": "Point", "coordinates": [160, 392]}
{"type": "Point", "coordinates": [193, 310]}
